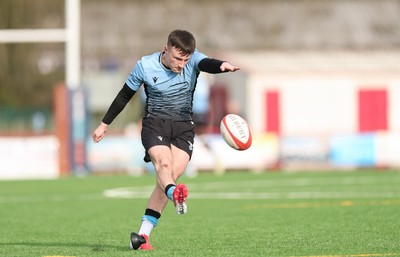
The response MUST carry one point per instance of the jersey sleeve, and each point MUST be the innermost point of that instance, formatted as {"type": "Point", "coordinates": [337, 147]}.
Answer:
{"type": "Point", "coordinates": [135, 78]}
{"type": "Point", "coordinates": [196, 58]}
{"type": "Point", "coordinates": [210, 65]}
{"type": "Point", "coordinates": [119, 103]}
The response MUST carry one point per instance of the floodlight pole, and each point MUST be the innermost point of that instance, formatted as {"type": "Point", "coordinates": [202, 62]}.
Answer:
{"type": "Point", "coordinates": [72, 48]}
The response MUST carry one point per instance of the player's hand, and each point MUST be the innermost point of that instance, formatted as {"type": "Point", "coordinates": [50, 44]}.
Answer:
{"type": "Point", "coordinates": [226, 66]}
{"type": "Point", "coordinates": [99, 132]}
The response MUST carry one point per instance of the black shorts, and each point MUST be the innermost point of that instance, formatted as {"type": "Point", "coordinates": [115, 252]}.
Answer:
{"type": "Point", "coordinates": [160, 131]}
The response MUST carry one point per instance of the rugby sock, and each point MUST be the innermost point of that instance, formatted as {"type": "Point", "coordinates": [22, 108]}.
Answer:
{"type": "Point", "coordinates": [169, 190]}
{"type": "Point", "coordinates": [149, 221]}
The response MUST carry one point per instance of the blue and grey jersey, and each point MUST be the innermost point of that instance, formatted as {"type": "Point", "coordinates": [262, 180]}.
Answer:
{"type": "Point", "coordinates": [169, 94]}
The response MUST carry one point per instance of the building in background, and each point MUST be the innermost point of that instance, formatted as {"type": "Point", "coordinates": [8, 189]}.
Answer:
{"type": "Point", "coordinates": [319, 80]}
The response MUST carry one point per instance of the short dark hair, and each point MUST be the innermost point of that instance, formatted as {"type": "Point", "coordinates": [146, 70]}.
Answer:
{"type": "Point", "coordinates": [182, 40]}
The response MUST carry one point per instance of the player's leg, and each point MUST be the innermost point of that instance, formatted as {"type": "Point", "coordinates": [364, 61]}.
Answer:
{"type": "Point", "coordinates": [169, 165]}
{"type": "Point", "coordinates": [180, 160]}
{"type": "Point", "coordinates": [170, 162]}
{"type": "Point", "coordinates": [166, 173]}
{"type": "Point", "coordinates": [162, 158]}
{"type": "Point", "coordinates": [181, 148]}
{"type": "Point", "coordinates": [156, 204]}
{"type": "Point", "coordinates": [180, 193]}
{"type": "Point", "coordinates": [156, 142]}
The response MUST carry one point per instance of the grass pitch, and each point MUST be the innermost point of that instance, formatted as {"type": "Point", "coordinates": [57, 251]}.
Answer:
{"type": "Point", "coordinates": [238, 214]}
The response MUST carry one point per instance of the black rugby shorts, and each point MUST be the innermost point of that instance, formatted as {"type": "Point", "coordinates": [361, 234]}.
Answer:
{"type": "Point", "coordinates": [160, 131]}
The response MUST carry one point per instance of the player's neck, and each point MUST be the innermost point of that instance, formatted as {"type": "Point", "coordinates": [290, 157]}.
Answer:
{"type": "Point", "coordinates": [163, 62]}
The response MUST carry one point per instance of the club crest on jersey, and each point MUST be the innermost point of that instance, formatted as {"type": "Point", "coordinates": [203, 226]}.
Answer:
{"type": "Point", "coordinates": [155, 79]}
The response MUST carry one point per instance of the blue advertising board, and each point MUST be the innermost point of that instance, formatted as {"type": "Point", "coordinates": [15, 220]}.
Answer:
{"type": "Point", "coordinates": [353, 150]}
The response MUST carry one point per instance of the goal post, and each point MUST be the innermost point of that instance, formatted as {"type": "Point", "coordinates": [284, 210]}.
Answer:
{"type": "Point", "coordinates": [72, 135]}
{"type": "Point", "coordinates": [70, 35]}
{"type": "Point", "coordinates": [72, 46]}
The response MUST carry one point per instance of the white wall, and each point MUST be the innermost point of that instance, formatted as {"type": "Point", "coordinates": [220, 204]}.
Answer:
{"type": "Point", "coordinates": [318, 91]}
{"type": "Point", "coordinates": [29, 157]}
{"type": "Point", "coordinates": [318, 107]}
{"type": "Point", "coordinates": [394, 106]}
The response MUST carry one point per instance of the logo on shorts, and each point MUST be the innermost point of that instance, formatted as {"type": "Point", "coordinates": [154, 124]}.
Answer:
{"type": "Point", "coordinates": [160, 137]}
{"type": "Point", "coordinates": [190, 146]}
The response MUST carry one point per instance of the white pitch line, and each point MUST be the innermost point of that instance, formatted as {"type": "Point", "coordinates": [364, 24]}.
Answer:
{"type": "Point", "coordinates": [298, 182]}
{"type": "Point", "coordinates": [212, 190]}
{"type": "Point", "coordinates": [132, 194]}
{"type": "Point", "coordinates": [48, 198]}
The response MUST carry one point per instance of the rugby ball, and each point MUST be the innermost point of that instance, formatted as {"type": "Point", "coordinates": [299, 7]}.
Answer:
{"type": "Point", "coordinates": [236, 132]}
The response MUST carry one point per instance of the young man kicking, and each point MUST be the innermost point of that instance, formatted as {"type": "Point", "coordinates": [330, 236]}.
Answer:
{"type": "Point", "coordinates": [169, 80]}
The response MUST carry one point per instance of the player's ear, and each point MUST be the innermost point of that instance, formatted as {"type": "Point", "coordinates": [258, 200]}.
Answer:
{"type": "Point", "coordinates": [165, 49]}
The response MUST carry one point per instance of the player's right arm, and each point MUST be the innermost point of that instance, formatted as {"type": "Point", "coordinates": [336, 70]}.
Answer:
{"type": "Point", "coordinates": [119, 103]}
{"type": "Point", "coordinates": [130, 87]}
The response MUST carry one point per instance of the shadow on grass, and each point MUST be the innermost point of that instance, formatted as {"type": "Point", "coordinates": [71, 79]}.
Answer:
{"type": "Point", "coordinates": [98, 247]}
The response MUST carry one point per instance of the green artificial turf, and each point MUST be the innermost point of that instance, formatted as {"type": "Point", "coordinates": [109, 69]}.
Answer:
{"type": "Point", "coordinates": [238, 214]}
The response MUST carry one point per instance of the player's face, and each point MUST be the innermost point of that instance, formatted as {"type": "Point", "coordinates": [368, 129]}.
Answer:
{"type": "Point", "coordinates": [174, 59]}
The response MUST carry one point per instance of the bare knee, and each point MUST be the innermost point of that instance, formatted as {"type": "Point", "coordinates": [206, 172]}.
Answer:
{"type": "Point", "coordinates": [176, 175]}
{"type": "Point", "coordinates": [178, 171]}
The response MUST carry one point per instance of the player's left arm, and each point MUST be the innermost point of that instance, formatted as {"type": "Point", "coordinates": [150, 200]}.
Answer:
{"type": "Point", "coordinates": [211, 65]}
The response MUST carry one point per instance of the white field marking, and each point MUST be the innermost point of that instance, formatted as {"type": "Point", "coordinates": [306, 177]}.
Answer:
{"type": "Point", "coordinates": [128, 192]}
{"type": "Point", "coordinates": [136, 193]}
{"type": "Point", "coordinates": [48, 198]}
{"type": "Point", "coordinates": [299, 182]}
{"type": "Point", "coordinates": [212, 190]}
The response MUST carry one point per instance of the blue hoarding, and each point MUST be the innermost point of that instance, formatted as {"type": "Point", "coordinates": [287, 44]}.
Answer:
{"type": "Point", "coordinates": [353, 150]}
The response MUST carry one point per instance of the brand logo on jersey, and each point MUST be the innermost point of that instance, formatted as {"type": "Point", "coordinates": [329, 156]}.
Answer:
{"type": "Point", "coordinates": [155, 79]}
{"type": "Point", "coordinates": [160, 137]}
